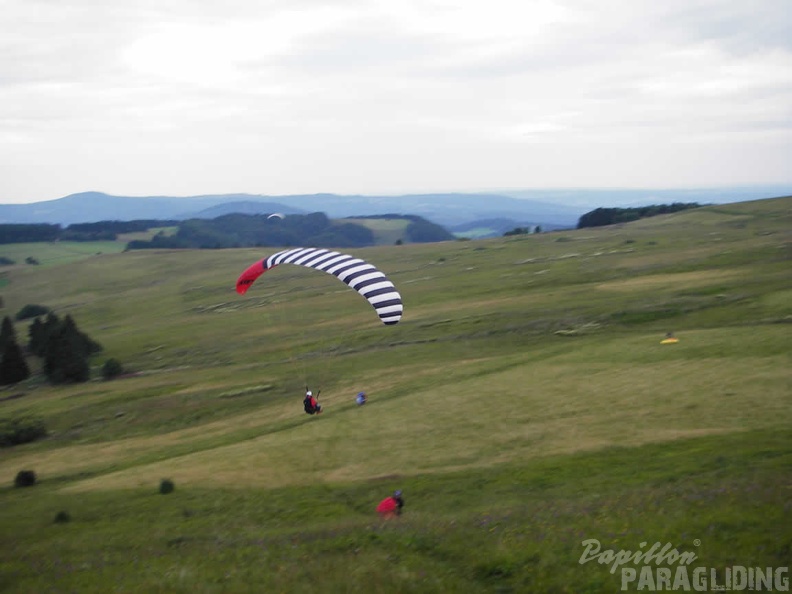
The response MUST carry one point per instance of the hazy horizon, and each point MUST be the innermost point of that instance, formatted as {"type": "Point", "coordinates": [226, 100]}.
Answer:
{"type": "Point", "coordinates": [562, 196]}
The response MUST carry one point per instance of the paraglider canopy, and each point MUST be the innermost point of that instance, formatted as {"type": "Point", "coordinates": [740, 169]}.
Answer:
{"type": "Point", "coordinates": [276, 215]}
{"type": "Point", "coordinates": [360, 275]}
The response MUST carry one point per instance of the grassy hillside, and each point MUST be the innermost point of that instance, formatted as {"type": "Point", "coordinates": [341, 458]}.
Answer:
{"type": "Point", "coordinates": [386, 231]}
{"type": "Point", "coordinates": [524, 404]}
{"type": "Point", "coordinates": [57, 253]}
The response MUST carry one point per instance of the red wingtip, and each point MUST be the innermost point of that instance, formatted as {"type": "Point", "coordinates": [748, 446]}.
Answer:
{"type": "Point", "coordinates": [249, 276]}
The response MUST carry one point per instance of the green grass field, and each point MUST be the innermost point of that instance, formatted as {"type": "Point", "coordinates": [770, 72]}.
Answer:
{"type": "Point", "coordinates": [57, 253]}
{"type": "Point", "coordinates": [524, 404]}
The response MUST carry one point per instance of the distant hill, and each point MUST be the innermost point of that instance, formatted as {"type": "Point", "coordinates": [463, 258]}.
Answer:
{"type": "Point", "coordinates": [551, 209]}
{"type": "Point", "coordinates": [259, 230]}
{"type": "Point", "coordinates": [250, 207]}
{"type": "Point", "coordinates": [236, 230]}
{"type": "Point", "coordinates": [590, 198]}
{"type": "Point", "coordinates": [443, 209]}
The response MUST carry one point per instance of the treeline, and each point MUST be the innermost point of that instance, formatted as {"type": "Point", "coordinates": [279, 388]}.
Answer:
{"type": "Point", "coordinates": [110, 230]}
{"type": "Point", "coordinates": [315, 229]}
{"type": "Point", "coordinates": [523, 231]}
{"type": "Point", "coordinates": [229, 231]}
{"type": "Point", "coordinates": [28, 233]}
{"type": "Point", "coordinates": [99, 231]}
{"type": "Point", "coordinates": [243, 230]}
{"type": "Point", "coordinates": [610, 216]}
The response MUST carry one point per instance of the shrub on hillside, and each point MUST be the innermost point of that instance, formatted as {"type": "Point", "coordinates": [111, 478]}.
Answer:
{"type": "Point", "coordinates": [32, 311]}
{"type": "Point", "coordinates": [25, 478]}
{"type": "Point", "coordinates": [166, 486]}
{"type": "Point", "coordinates": [62, 517]}
{"type": "Point", "coordinates": [17, 430]}
{"type": "Point", "coordinates": [112, 368]}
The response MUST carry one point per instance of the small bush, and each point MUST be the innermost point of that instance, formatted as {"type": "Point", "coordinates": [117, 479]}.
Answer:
{"type": "Point", "coordinates": [31, 311]}
{"type": "Point", "coordinates": [62, 517]}
{"type": "Point", "coordinates": [25, 478]}
{"type": "Point", "coordinates": [166, 486]}
{"type": "Point", "coordinates": [111, 369]}
{"type": "Point", "coordinates": [18, 430]}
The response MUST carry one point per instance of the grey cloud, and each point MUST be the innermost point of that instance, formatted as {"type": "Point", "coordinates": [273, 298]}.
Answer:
{"type": "Point", "coordinates": [612, 74]}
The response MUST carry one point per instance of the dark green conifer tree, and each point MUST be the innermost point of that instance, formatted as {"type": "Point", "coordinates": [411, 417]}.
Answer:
{"type": "Point", "coordinates": [82, 341]}
{"type": "Point", "coordinates": [36, 337]}
{"type": "Point", "coordinates": [64, 359]}
{"type": "Point", "coordinates": [40, 333]}
{"type": "Point", "coordinates": [7, 333]}
{"type": "Point", "coordinates": [13, 367]}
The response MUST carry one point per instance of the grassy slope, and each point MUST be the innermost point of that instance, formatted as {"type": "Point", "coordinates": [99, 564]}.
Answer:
{"type": "Point", "coordinates": [524, 403]}
{"type": "Point", "coordinates": [57, 253]}
{"type": "Point", "coordinates": [386, 231]}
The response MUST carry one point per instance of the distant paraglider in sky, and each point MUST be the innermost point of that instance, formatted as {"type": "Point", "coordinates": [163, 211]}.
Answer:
{"type": "Point", "coordinates": [276, 215]}
{"type": "Point", "coordinates": [365, 278]}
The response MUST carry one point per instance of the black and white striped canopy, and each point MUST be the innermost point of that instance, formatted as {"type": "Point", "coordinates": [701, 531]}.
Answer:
{"type": "Point", "coordinates": [365, 278]}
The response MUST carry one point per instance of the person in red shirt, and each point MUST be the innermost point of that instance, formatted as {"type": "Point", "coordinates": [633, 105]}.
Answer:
{"type": "Point", "coordinates": [391, 506]}
{"type": "Point", "coordinates": [310, 403]}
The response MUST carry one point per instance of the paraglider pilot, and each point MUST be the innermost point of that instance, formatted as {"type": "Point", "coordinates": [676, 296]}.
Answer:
{"type": "Point", "coordinates": [391, 506]}
{"type": "Point", "coordinates": [312, 407]}
{"type": "Point", "coordinates": [360, 398]}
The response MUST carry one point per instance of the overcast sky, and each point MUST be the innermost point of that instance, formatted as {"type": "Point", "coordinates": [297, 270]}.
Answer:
{"type": "Point", "coordinates": [186, 97]}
